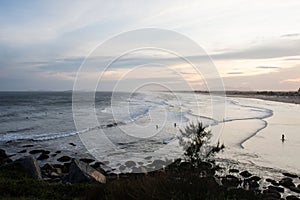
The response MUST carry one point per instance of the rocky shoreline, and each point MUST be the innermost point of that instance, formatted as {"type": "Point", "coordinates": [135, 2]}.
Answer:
{"type": "Point", "coordinates": [234, 184]}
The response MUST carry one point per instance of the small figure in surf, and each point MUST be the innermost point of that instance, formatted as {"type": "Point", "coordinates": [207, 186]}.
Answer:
{"type": "Point", "coordinates": [282, 138]}
{"type": "Point", "coordinates": [175, 125]}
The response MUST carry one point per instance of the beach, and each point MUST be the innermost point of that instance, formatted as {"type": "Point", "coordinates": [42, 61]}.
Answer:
{"type": "Point", "coordinates": [141, 129]}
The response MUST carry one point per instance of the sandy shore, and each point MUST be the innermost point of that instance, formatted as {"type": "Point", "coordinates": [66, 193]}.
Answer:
{"type": "Point", "coordinates": [285, 97]}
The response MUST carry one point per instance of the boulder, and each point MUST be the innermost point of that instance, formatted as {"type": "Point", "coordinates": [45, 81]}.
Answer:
{"type": "Point", "coordinates": [231, 181]}
{"type": "Point", "coordinates": [271, 194]}
{"type": "Point", "coordinates": [36, 151]}
{"type": "Point", "coordinates": [4, 158]}
{"type": "Point", "coordinates": [130, 164]}
{"type": "Point", "coordinates": [22, 151]}
{"type": "Point", "coordinates": [122, 168]}
{"type": "Point", "coordinates": [292, 197]}
{"type": "Point", "coordinates": [87, 160]}
{"type": "Point", "coordinates": [82, 172]}
{"type": "Point", "coordinates": [275, 188]}
{"type": "Point", "coordinates": [28, 145]}
{"type": "Point", "coordinates": [30, 165]}
{"type": "Point", "coordinates": [64, 159]}
{"type": "Point", "coordinates": [234, 171]}
{"type": "Point", "coordinates": [290, 175]}
{"type": "Point", "coordinates": [287, 182]}
{"type": "Point", "coordinates": [72, 144]}
{"type": "Point", "coordinates": [295, 189]}
{"type": "Point", "coordinates": [43, 156]}
{"type": "Point", "coordinates": [245, 174]}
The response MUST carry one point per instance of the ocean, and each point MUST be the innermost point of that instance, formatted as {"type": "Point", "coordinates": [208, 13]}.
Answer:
{"type": "Point", "coordinates": [117, 127]}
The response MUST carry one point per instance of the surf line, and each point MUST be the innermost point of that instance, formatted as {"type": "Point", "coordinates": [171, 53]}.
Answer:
{"type": "Point", "coordinates": [261, 118]}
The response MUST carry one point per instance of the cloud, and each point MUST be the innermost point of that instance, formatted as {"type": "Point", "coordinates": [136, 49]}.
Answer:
{"type": "Point", "coordinates": [267, 67]}
{"type": "Point", "coordinates": [291, 35]}
{"type": "Point", "coordinates": [235, 73]}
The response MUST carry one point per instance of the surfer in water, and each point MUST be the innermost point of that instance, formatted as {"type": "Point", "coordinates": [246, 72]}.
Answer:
{"type": "Point", "coordinates": [282, 138]}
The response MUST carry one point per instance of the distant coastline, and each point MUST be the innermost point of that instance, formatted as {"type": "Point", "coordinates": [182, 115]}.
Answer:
{"type": "Point", "coordinates": [278, 96]}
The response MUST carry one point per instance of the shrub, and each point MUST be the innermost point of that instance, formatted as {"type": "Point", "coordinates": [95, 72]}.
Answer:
{"type": "Point", "coordinates": [195, 140]}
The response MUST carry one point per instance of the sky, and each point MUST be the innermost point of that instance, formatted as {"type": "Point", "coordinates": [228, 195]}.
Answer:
{"type": "Point", "coordinates": [253, 45]}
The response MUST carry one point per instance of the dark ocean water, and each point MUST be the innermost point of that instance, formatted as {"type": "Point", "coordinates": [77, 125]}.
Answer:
{"type": "Point", "coordinates": [41, 115]}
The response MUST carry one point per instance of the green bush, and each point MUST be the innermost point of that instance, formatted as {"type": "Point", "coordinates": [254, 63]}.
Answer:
{"type": "Point", "coordinates": [195, 140]}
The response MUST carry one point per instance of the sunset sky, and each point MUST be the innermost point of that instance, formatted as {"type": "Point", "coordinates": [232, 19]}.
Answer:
{"type": "Point", "coordinates": [255, 45]}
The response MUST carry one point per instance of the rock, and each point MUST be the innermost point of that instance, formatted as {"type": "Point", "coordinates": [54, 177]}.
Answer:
{"type": "Point", "coordinates": [245, 174]}
{"type": "Point", "coordinates": [292, 197]}
{"type": "Point", "coordinates": [231, 181]}
{"type": "Point", "coordinates": [72, 144]}
{"type": "Point", "coordinates": [54, 175]}
{"type": "Point", "coordinates": [295, 189]}
{"type": "Point", "coordinates": [158, 163]}
{"type": "Point", "coordinates": [57, 152]}
{"type": "Point", "coordinates": [23, 151]}
{"type": "Point", "coordinates": [43, 156]}
{"type": "Point", "coordinates": [234, 171]}
{"type": "Point", "coordinates": [287, 182]}
{"type": "Point", "coordinates": [140, 163]}
{"type": "Point", "coordinates": [148, 157]}
{"type": "Point", "coordinates": [82, 172]}
{"type": "Point", "coordinates": [139, 170]}
{"type": "Point", "coordinates": [130, 164]}
{"type": "Point", "coordinates": [48, 167]}
{"type": "Point", "coordinates": [64, 159]}
{"type": "Point", "coordinates": [290, 175]}
{"type": "Point", "coordinates": [274, 188]}
{"type": "Point", "coordinates": [53, 155]}
{"type": "Point", "coordinates": [4, 158]}
{"type": "Point", "coordinates": [28, 145]}
{"type": "Point", "coordinates": [254, 178]}
{"type": "Point", "coordinates": [122, 168]}
{"type": "Point", "coordinates": [36, 151]}
{"type": "Point", "coordinates": [269, 194]}
{"type": "Point", "coordinates": [87, 160]}
{"type": "Point", "coordinates": [30, 165]}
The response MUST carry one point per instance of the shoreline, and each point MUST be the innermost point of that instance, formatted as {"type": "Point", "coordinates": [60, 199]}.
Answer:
{"type": "Point", "coordinates": [280, 96]}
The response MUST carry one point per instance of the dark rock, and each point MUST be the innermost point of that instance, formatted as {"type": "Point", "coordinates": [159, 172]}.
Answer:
{"type": "Point", "coordinates": [274, 188]}
{"type": "Point", "coordinates": [105, 162]}
{"type": "Point", "coordinates": [4, 158]}
{"type": "Point", "coordinates": [122, 168]}
{"type": "Point", "coordinates": [139, 170]}
{"type": "Point", "coordinates": [287, 182]}
{"type": "Point", "coordinates": [66, 167]}
{"type": "Point", "coordinates": [87, 160]}
{"type": "Point", "coordinates": [245, 174]}
{"type": "Point", "coordinates": [36, 151]}
{"type": "Point", "coordinates": [43, 156]}
{"type": "Point", "coordinates": [130, 163]}
{"type": "Point", "coordinates": [298, 186]}
{"type": "Point", "coordinates": [82, 172]}
{"type": "Point", "coordinates": [72, 144]}
{"type": "Point", "coordinates": [158, 163]}
{"type": "Point", "coordinates": [53, 155]}
{"type": "Point", "coordinates": [47, 167]}
{"type": "Point", "coordinates": [269, 194]}
{"type": "Point", "coordinates": [23, 151]}
{"type": "Point", "coordinates": [97, 164]}
{"type": "Point", "coordinates": [254, 178]}
{"type": "Point", "coordinates": [292, 197]}
{"type": "Point", "coordinates": [273, 182]}
{"type": "Point", "coordinates": [64, 159]}
{"type": "Point", "coordinates": [148, 157]}
{"type": "Point", "coordinates": [295, 189]}
{"type": "Point", "coordinates": [234, 171]}
{"type": "Point", "coordinates": [30, 165]}
{"type": "Point", "coordinates": [28, 145]}
{"type": "Point", "coordinates": [269, 180]}
{"type": "Point", "coordinates": [231, 181]}
{"type": "Point", "coordinates": [57, 152]}
{"type": "Point", "coordinates": [140, 163]}
{"type": "Point", "coordinates": [290, 175]}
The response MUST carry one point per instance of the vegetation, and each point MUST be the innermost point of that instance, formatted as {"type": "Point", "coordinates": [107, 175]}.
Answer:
{"type": "Point", "coordinates": [195, 140]}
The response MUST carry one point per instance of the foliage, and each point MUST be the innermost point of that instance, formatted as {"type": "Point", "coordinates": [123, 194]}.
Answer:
{"type": "Point", "coordinates": [195, 140]}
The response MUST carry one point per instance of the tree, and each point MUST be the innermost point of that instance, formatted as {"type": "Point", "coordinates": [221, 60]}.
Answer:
{"type": "Point", "coordinates": [196, 143]}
